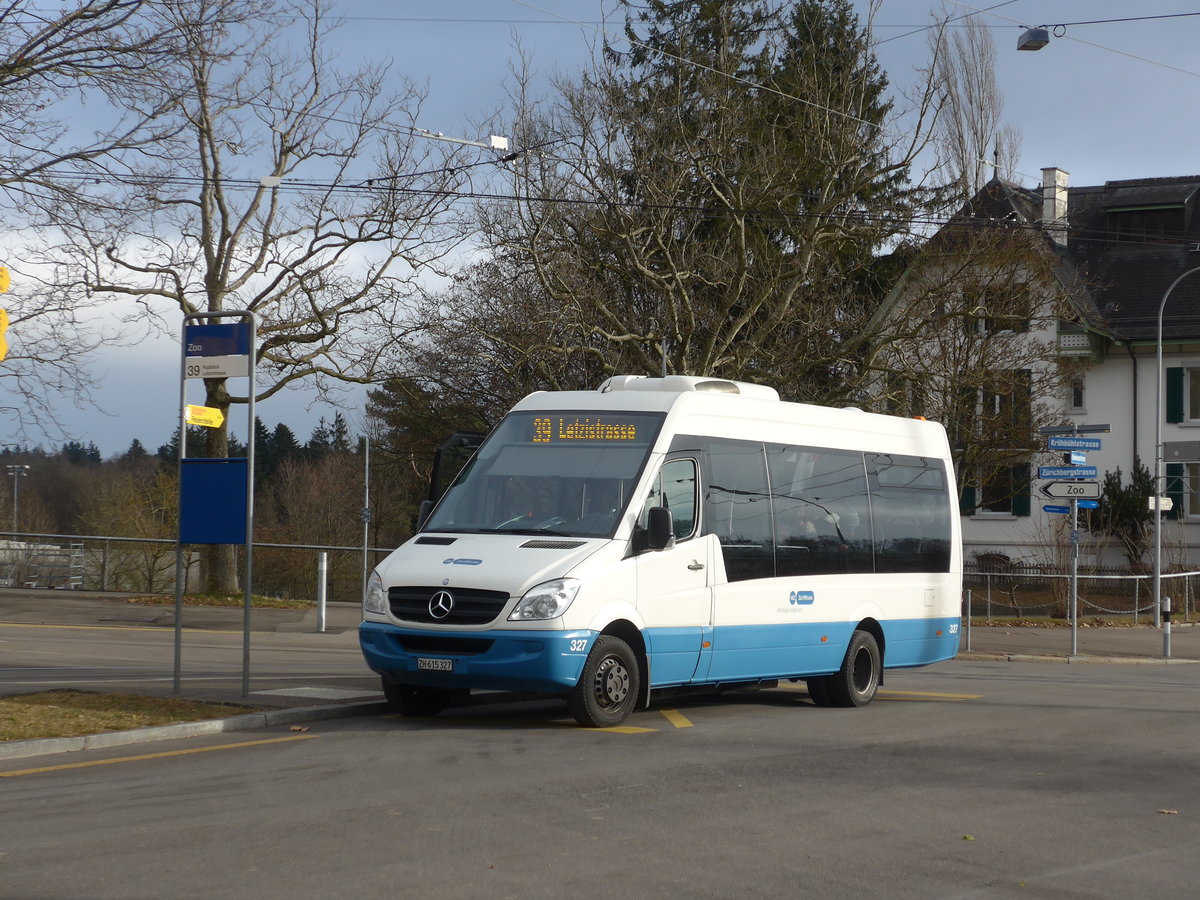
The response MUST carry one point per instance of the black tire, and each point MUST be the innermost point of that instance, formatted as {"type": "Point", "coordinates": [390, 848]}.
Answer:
{"type": "Point", "coordinates": [818, 691]}
{"type": "Point", "coordinates": [415, 701]}
{"type": "Point", "coordinates": [857, 681]}
{"type": "Point", "coordinates": [609, 685]}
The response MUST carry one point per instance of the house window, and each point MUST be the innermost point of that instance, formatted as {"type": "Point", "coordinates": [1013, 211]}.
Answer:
{"type": "Point", "coordinates": [1149, 225]}
{"type": "Point", "coordinates": [1075, 395]}
{"type": "Point", "coordinates": [1003, 425]}
{"type": "Point", "coordinates": [906, 396]}
{"type": "Point", "coordinates": [992, 312]}
{"type": "Point", "coordinates": [1183, 394]}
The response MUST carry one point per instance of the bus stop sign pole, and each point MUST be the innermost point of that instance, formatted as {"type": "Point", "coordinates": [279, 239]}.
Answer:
{"type": "Point", "coordinates": [216, 496]}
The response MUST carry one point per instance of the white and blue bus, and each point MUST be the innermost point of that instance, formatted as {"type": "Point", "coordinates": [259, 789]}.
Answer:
{"type": "Point", "coordinates": [663, 533]}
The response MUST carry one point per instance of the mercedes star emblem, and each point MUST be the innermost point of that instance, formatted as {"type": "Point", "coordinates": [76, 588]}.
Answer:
{"type": "Point", "coordinates": [440, 604]}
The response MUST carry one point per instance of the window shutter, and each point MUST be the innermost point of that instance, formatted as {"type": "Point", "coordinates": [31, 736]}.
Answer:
{"type": "Point", "coordinates": [1021, 486]}
{"type": "Point", "coordinates": [966, 500]}
{"type": "Point", "coordinates": [1174, 490]}
{"type": "Point", "coordinates": [1175, 395]}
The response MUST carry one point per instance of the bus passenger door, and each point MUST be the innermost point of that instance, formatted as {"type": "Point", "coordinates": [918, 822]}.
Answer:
{"type": "Point", "coordinates": [674, 588]}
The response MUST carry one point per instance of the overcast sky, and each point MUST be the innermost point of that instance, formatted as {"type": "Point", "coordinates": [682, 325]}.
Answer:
{"type": "Point", "coordinates": [1103, 101]}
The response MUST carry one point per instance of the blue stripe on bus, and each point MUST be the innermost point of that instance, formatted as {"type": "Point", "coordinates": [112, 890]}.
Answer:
{"type": "Point", "coordinates": [549, 661]}
{"type": "Point", "coordinates": [747, 652]}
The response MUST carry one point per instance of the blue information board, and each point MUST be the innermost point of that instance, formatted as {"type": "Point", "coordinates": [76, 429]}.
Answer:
{"type": "Point", "coordinates": [212, 496]}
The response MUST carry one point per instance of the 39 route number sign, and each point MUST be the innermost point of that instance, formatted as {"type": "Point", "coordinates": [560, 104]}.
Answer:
{"type": "Point", "coordinates": [216, 351]}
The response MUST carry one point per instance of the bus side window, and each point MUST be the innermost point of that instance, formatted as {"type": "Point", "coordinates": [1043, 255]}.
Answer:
{"type": "Point", "coordinates": [675, 488]}
{"type": "Point", "coordinates": [737, 508]}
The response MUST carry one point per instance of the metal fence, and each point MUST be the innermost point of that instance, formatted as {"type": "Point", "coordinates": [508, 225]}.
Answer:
{"type": "Point", "coordinates": [1031, 591]}
{"type": "Point", "coordinates": [147, 565]}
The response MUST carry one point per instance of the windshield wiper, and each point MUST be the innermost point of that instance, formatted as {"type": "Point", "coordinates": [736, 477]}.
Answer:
{"type": "Point", "coordinates": [549, 531]}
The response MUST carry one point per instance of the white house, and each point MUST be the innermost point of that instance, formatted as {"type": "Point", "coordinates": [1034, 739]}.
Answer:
{"type": "Point", "coordinates": [1113, 251]}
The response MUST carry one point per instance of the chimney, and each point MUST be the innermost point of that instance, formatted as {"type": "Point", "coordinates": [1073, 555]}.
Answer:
{"type": "Point", "coordinates": [1054, 204]}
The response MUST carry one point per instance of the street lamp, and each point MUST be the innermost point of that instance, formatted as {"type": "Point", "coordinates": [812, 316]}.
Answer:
{"type": "Point", "coordinates": [1158, 463]}
{"type": "Point", "coordinates": [16, 471]}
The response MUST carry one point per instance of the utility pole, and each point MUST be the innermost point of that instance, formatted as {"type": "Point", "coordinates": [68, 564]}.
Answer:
{"type": "Point", "coordinates": [17, 472]}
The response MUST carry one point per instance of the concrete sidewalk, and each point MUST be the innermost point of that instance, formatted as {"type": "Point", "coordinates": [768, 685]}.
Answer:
{"type": "Point", "coordinates": [1097, 644]}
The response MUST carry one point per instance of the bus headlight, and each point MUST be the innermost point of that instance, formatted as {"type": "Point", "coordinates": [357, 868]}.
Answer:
{"type": "Point", "coordinates": [375, 600]}
{"type": "Point", "coordinates": [548, 600]}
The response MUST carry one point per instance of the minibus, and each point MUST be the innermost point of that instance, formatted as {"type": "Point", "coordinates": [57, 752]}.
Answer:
{"type": "Point", "coordinates": [673, 533]}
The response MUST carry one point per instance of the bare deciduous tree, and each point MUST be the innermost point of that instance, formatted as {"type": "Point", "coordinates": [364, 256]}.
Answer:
{"type": "Point", "coordinates": [70, 84]}
{"type": "Point", "coordinates": [293, 191]}
{"type": "Point", "coordinates": [974, 142]}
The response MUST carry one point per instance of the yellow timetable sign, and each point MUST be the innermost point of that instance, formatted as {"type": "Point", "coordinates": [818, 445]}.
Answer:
{"type": "Point", "coordinates": [204, 415]}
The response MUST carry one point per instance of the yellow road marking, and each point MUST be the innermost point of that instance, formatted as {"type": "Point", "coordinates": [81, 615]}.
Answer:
{"type": "Point", "coordinates": [924, 695]}
{"type": "Point", "coordinates": [524, 723]}
{"type": "Point", "coordinates": [144, 756]}
{"type": "Point", "coordinates": [676, 718]}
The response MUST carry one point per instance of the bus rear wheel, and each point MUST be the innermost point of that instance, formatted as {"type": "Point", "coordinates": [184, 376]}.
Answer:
{"type": "Point", "coordinates": [609, 685]}
{"type": "Point", "coordinates": [415, 701]}
{"type": "Point", "coordinates": [856, 683]}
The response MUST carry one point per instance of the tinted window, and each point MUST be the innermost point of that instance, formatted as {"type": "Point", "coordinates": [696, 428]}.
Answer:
{"type": "Point", "coordinates": [821, 515]}
{"type": "Point", "coordinates": [737, 508]}
{"type": "Point", "coordinates": [911, 509]}
{"type": "Point", "coordinates": [675, 488]}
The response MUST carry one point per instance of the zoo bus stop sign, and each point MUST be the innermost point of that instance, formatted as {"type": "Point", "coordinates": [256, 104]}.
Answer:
{"type": "Point", "coordinates": [216, 351]}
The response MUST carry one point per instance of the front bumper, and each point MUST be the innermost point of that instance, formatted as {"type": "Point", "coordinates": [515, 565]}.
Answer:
{"type": "Point", "coordinates": [498, 660]}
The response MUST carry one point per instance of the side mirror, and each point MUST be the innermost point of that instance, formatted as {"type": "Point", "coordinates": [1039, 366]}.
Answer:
{"type": "Point", "coordinates": [423, 512]}
{"type": "Point", "coordinates": [660, 529]}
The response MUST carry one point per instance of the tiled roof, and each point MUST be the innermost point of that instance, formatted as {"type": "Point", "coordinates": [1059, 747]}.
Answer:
{"type": "Point", "coordinates": [1126, 279]}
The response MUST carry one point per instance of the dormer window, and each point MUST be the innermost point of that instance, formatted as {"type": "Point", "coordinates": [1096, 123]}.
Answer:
{"type": "Point", "coordinates": [1151, 224]}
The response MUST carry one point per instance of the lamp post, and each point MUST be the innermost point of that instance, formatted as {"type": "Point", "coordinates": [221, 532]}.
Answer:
{"type": "Point", "coordinates": [16, 471]}
{"type": "Point", "coordinates": [1158, 464]}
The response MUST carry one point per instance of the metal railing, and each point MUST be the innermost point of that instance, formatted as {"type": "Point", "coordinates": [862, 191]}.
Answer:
{"type": "Point", "coordinates": [1029, 591]}
{"type": "Point", "coordinates": [147, 565]}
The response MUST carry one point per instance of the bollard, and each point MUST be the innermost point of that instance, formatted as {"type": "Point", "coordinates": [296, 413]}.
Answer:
{"type": "Point", "coordinates": [968, 620]}
{"type": "Point", "coordinates": [1166, 627]}
{"type": "Point", "coordinates": [322, 577]}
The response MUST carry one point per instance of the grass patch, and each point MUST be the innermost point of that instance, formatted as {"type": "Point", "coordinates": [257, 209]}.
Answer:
{"type": "Point", "coordinates": [70, 713]}
{"type": "Point", "coordinates": [236, 600]}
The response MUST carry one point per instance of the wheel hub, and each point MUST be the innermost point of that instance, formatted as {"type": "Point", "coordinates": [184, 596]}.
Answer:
{"type": "Point", "coordinates": [612, 682]}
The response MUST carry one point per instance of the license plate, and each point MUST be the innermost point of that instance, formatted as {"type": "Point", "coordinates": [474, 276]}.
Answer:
{"type": "Point", "coordinates": [436, 665]}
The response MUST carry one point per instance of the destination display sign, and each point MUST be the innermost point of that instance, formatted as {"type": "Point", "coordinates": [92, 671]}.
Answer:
{"type": "Point", "coordinates": [605, 429]}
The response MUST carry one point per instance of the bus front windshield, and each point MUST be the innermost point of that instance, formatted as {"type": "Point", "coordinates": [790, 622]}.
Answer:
{"type": "Point", "coordinates": [553, 473]}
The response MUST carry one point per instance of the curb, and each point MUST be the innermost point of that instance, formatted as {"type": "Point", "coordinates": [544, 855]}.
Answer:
{"type": "Point", "coordinates": [247, 722]}
{"type": "Point", "coordinates": [975, 655]}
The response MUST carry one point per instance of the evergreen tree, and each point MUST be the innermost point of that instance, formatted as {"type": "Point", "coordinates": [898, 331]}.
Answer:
{"type": "Point", "coordinates": [339, 434]}
{"type": "Point", "coordinates": [284, 443]}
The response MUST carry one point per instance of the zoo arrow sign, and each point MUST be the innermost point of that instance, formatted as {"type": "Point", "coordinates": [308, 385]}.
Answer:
{"type": "Point", "coordinates": [1072, 490]}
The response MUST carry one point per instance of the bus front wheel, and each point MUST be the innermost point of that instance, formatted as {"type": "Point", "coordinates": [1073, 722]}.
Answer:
{"type": "Point", "coordinates": [857, 681]}
{"type": "Point", "coordinates": [609, 685]}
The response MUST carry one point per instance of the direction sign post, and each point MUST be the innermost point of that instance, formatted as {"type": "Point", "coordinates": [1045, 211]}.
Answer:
{"type": "Point", "coordinates": [1071, 490]}
{"type": "Point", "coordinates": [1080, 493]}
